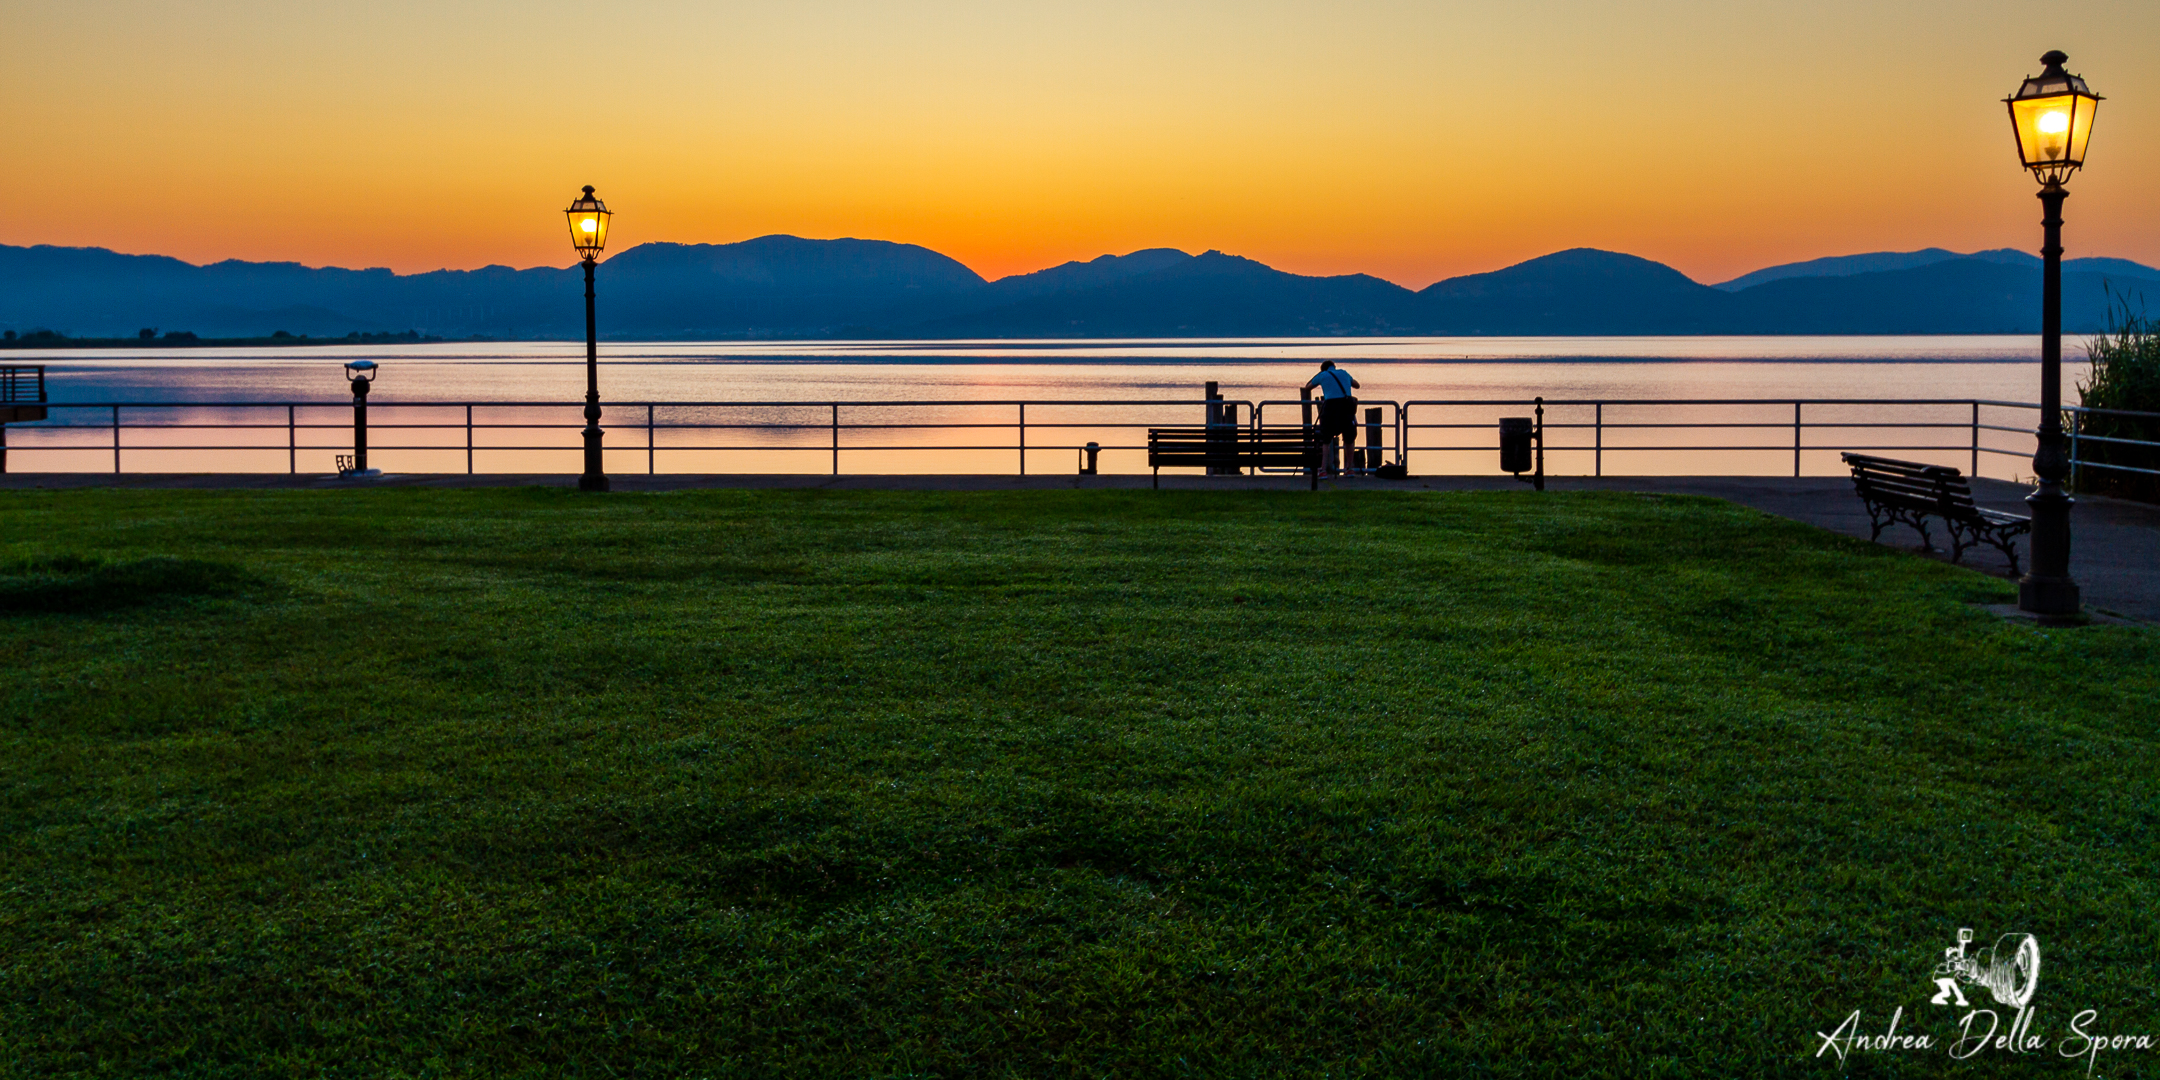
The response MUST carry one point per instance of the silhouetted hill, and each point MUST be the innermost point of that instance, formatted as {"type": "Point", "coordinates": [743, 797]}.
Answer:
{"type": "Point", "coordinates": [1847, 265]}
{"type": "Point", "coordinates": [92, 291]}
{"type": "Point", "coordinates": [789, 287]}
{"type": "Point", "coordinates": [1579, 291]}
{"type": "Point", "coordinates": [778, 285]}
{"type": "Point", "coordinates": [1839, 266]}
{"type": "Point", "coordinates": [1185, 296]}
{"type": "Point", "coordinates": [1958, 296]}
{"type": "Point", "coordinates": [1096, 272]}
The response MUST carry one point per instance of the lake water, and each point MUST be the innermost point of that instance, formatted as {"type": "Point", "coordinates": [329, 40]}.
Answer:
{"type": "Point", "coordinates": [690, 392]}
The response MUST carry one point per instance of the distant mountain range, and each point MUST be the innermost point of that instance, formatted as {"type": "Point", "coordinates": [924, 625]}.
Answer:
{"type": "Point", "coordinates": [788, 287]}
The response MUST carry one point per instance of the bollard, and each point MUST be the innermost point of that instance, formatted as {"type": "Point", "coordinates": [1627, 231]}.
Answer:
{"type": "Point", "coordinates": [1088, 468]}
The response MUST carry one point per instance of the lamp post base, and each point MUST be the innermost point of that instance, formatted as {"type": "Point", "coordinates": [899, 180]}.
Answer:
{"type": "Point", "coordinates": [2050, 599]}
{"type": "Point", "coordinates": [595, 476]}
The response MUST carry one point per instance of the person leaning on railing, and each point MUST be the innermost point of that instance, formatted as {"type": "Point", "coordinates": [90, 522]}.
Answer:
{"type": "Point", "coordinates": [1338, 409]}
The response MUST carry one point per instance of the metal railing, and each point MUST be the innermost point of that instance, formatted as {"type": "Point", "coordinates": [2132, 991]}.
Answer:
{"type": "Point", "coordinates": [469, 419]}
{"type": "Point", "coordinates": [22, 384]}
{"type": "Point", "coordinates": [1583, 436]}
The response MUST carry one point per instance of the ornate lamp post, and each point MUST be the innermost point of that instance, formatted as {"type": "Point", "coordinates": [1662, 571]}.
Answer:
{"type": "Point", "coordinates": [2052, 115]}
{"type": "Point", "coordinates": [588, 234]}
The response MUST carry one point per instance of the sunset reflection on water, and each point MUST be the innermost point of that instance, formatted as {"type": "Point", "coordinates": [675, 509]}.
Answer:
{"type": "Point", "coordinates": [712, 408]}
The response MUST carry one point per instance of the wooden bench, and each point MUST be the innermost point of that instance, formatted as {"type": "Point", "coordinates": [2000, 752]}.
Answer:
{"type": "Point", "coordinates": [1235, 448]}
{"type": "Point", "coordinates": [1910, 492]}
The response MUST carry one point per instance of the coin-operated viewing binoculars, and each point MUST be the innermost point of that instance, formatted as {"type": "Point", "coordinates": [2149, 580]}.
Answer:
{"type": "Point", "coordinates": [361, 373]}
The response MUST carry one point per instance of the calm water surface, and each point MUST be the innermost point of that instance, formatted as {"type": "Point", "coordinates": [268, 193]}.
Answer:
{"type": "Point", "coordinates": [1128, 372]}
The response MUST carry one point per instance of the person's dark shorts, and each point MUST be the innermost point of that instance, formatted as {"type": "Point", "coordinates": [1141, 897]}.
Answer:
{"type": "Point", "coordinates": [1338, 416]}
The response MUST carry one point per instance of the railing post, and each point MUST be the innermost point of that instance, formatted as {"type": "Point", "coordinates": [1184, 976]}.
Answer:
{"type": "Point", "coordinates": [1540, 429]}
{"type": "Point", "coordinates": [1598, 427]}
{"type": "Point", "coordinates": [1311, 439]}
{"type": "Point", "coordinates": [1796, 440]}
{"type": "Point", "coordinates": [468, 440]}
{"type": "Point", "coordinates": [1975, 440]}
{"type": "Point", "coordinates": [116, 440]}
{"type": "Point", "coordinates": [292, 442]}
{"type": "Point", "coordinates": [2077, 420]}
{"type": "Point", "coordinates": [1023, 438]}
{"type": "Point", "coordinates": [652, 454]}
{"type": "Point", "coordinates": [836, 438]}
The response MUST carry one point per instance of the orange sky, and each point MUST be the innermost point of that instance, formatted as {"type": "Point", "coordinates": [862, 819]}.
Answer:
{"type": "Point", "coordinates": [1412, 140]}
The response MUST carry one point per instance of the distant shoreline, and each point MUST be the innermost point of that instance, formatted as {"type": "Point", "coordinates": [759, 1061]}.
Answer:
{"type": "Point", "coordinates": [192, 341]}
{"type": "Point", "coordinates": [1046, 343]}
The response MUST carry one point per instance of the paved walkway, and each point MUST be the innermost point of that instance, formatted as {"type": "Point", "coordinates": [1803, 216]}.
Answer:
{"type": "Point", "coordinates": [2115, 554]}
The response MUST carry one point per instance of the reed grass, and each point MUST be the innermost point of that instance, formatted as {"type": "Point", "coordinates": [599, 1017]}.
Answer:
{"type": "Point", "coordinates": [2125, 375]}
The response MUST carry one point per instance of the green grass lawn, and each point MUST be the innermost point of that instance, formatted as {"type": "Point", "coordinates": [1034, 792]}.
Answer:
{"type": "Point", "coordinates": [721, 783]}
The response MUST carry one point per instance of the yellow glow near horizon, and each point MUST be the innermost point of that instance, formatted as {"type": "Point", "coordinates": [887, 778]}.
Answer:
{"type": "Point", "coordinates": [1318, 137]}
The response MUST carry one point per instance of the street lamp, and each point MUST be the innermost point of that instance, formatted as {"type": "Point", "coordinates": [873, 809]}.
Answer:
{"type": "Point", "coordinates": [2052, 116]}
{"type": "Point", "coordinates": [588, 234]}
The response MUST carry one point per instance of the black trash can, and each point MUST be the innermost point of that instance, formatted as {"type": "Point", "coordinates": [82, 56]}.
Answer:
{"type": "Point", "coordinates": [1515, 435]}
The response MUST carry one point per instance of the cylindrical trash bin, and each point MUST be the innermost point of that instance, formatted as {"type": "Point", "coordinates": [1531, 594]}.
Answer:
{"type": "Point", "coordinates": [1515, 433]}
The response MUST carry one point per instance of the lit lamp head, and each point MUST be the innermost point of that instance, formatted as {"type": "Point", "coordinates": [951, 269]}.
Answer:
{"type": "Point", "coordinates": [588, 225]}
{"type": "Point", "coordinates": [2052, 115]}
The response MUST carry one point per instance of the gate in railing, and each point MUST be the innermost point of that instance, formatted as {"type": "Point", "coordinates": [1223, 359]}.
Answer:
{"type": "Point", "coordinates": [1638, 436]}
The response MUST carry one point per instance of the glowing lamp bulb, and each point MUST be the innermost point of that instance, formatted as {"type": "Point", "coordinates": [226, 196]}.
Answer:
{"type": "Point", "coordinates": [2054, 123]}
{"type": "Point", "coordinates": [590, 226]}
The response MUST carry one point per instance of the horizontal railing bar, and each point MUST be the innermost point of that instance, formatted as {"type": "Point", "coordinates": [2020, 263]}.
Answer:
{"type": "Point", "coordinates": [2086, 436]}
{"type": "Point", "coordinates": [811, 425]}
{"type": "Point", "coordinates": [1786, 426]}
{"type": "Point", "coordinates": [2083, 464]}
{"type": "Point", "coordinates": [826, 404]}
{"type": "Point", "coordinates": [1783, 447]}
{"type": "Point", "coordinates": [1768, 448]}
{"type": "Point", "coordinates": [1549, 402]}
{"type": "Point", "coordinates": [2087, 410]}
{"type": "Point", "coordinates": [1084, 402]}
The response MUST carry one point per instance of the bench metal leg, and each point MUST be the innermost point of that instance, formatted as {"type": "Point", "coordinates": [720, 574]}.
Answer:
{"type": "Point", "coordinates": [1157, 482]}
{"type": "Point", "coordinates": [2008, 546]}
